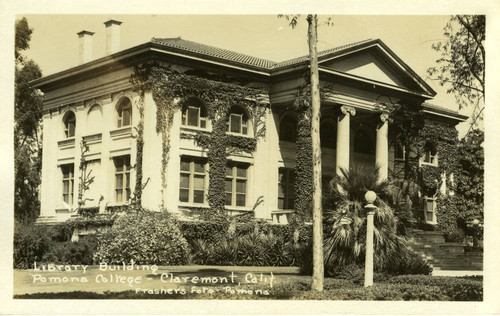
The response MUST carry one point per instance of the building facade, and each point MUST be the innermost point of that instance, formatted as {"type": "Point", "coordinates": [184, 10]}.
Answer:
{"type": "Point", "coordinates": [95, 105]}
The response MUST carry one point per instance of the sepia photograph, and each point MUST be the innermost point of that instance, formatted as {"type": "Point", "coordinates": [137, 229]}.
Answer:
{"type": "Point", "coordinates": [283, 157]}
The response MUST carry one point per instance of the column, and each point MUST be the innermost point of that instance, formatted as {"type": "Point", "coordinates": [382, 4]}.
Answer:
{"type": "Point", "coordinates": [343, 138]}
{"type": "Point", "coordinates": [382, 147]}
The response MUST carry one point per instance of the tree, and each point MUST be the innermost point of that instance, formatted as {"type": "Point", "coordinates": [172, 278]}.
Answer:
{"type": "Point", "coordinates": [462, 61]}
{"type": "Point", "coordinates": [27, 129]}
{"type": "Point", "coordinates": [312, 39]}
{"type": "Point", "coordinates": [470, 183]}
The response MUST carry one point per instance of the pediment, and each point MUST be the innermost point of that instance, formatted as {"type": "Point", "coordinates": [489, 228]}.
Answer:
{"type": "Point", "coordinates": [371, 64]}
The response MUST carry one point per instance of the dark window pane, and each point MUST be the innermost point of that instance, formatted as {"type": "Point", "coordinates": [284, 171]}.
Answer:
{"type": "Point", "coordinates": [127, 116]}
{"type": "Point", "coordinates": [184, 195]}
{"type": "Point", "coordinates": [229, 185]}
{"type": "Point", "coordinates": [203, 123]}
{"type": "Point", "coordinates": [241, 186]}
{"type": "Point", "coordinates": [240, 199]}
{"type": "Point", "coordinates": [228, 198]}
{"type": "Point", "coordinates": [198, 196]}
{"type": "Point", "coordinates": [199, 167]}
{"type": "Point", "coordinates": [119, 195]}
{"type": "Point", "coordinates": [193, 116]}
{"type": "Point", "coordinates": [184, 183]}
{"type": "Point", "coordinates": [229, 171]}
{"type": "Point", "coordinates": [281, 203]}
{"type": "Point", "coordinates": [241, 172]}
{"type": "Point", "coordinates": [119, 181]}
{"type": "Point", "coordinates": [71, 129]}
{"type": "Point", "coordinates": [184, 165]}
{"type": "Point", "coordinates": [235, 123]}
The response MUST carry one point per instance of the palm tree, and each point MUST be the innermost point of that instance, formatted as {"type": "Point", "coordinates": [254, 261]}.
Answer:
{"type": "Point", "coordinates": [345, 218]}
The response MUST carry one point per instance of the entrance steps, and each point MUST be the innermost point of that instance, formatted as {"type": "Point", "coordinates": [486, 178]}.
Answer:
{"type": "Point", "coordinates": [442, 255]}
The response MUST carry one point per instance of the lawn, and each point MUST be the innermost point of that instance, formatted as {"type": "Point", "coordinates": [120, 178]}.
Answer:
{"type": "Point", "coordinates": [216, 282]}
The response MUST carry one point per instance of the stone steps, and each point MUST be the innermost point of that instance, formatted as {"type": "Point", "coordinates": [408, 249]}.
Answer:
{"type": "Point", "coordinates": [442, 255]}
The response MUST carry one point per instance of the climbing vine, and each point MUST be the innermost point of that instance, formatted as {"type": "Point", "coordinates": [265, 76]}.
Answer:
{"type": "Point", "coordinates": [172, 90]}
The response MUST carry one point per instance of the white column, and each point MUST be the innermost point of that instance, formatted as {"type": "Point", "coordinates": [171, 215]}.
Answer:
{"type": "Point", "coordinates": [343, 138]}
{"type": "Point", "coordinates": [382, 147]}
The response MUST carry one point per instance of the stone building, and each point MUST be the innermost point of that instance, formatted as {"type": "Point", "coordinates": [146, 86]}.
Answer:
{"type": "Point", "coordinates": [95, 103]}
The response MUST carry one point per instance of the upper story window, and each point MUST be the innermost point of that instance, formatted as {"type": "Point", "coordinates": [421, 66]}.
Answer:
{"type": "Point", "coordinates": [68, 177]}
{"type": "Point", "coordinates": [192, 186]}
{"type": "Point", "coordinates": [288, 128]}
{"type": "Point", "coordinates": [236, 184]}
{"type": "Point", "coordinates": [69, 124]}
{"type": "Point", "coordinates": [238, 121]}
{"type": "Point", "coordinates": [122, 178]}
{"type": "Point", "coordinates": [430, 154]}
{"type": "Point", "coordinates": [430, 210]}
{"type": "Point", "coordinates": [286, 189]}
{"type": "Point", "coordinates": [328, 134]}
{"type": "Point", "coordinates": [363, 142]}
{"type": "Point", "coordinates": [124, 110]}
{"type": "Point", "coordinates": [400, 152]}
{"type": "Point", "coordinates": [194, 114]}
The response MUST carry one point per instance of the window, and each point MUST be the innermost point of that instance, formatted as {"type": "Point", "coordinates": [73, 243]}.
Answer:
{"type": "Point", "coordinates": [69, 124]}
{"type": "Point", "coordinates": [288, 128]}
{"type": "Point", "coordinates": [122, 179]}
{"type": "Point", "coordinates": [194, 114]}
{"type": "Point", "coordinates": [286, 189]}
{"type": "Point", "coordinates": [68, 180]}
{"type": "Point", "coordinates": [236, 184]}
{"type": "Point", "coordinates": [124, 113]}
{"type": "Point", "coordinates": [328, 135]}
{"type": "Point", "coordinates": [430, 154]}
{"type": "Point", "coordinates": [400, 152]}
{"type": "Point", "coordinates": [430, 210]}
{"type": "Point", "coordinates": [238, 121]}
{"type": "Point", "coordinates": [192, 186]}
{"type": "Point", "coordinates": [363, 143]}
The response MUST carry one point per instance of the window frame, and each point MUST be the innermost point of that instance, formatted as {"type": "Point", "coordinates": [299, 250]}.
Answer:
{"type": "Point", "coordinates": [235, 178]}
{"type": "Point", "coordinates": [288, 199]}
{"type": "Point", "coordinates": [124, 104]}
{"type": "Point", "coordinates": [244, 125]}
{"type": "Point", "coordinates": [432, 211]}
{"type": "Point", "coordinates": [69, 117]}
{"type": "Point", "coordinates": [192, 174]}
{"type": "Point", "coordinates": [403, 151]}
{"type": "Point", "coordinates": [125, 173]}
{"type": "Point", "coordinates": [200, 119]}
{"type": "Point", "coordinates": [429, 158]}
{"type": "Point", "coordinates": [68, 177]}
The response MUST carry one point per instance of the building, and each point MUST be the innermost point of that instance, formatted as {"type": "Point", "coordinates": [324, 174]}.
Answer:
{"type": "Point", "coordinates": [95, 103]}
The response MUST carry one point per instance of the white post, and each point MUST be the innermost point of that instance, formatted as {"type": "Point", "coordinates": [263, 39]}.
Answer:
{"type": "Point", "coordinates": [370, 197]}
{"type": "Point", "coordinates": [343, 138]}
{"type": "Point", "coordinates": [382, 147]}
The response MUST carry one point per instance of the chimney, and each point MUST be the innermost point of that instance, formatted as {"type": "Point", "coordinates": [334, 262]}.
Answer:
{"type": "Point", "coordinates": [112, 36]}
{"type": "Point", "coordinates": [85, 46]}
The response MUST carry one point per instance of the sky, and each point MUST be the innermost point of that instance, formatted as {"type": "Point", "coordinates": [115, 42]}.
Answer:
{"type": "Point", "coordinates": [54, 43]}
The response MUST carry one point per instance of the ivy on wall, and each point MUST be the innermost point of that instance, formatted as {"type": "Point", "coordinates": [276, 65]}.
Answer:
{"type": "Point", "coordinates": [172, 90]}
{"type": "Point", "coordinates": [418, 136]}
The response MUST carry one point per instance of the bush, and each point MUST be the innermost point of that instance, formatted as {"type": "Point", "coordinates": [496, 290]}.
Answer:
{"type": "Point", "coordinates": [146, 238]}
{"type": "Point", "coordinates": [68, 252]}
{"type": "Point", "coordinates": [412, 263]}
{"type": "Point", "coordinates": [30, 244]}
{"type": "Point", "coordinates": [458, 289]}
{"type": "Point", "coordinates": [210, 232]}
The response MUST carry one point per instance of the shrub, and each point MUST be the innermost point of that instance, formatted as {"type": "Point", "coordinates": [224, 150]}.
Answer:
{"type": "Point", "coordinates": [68, 252]}
{"type": "Point", "coordinates": [458, 289]}
{"type": "Point", "coordinates": [144, 237]}
{"type": "Point", "coordinates": [210, 232]}
{"type": "Point", "coordinates": [412, 263]}
{"type": "Point", "coordinates": [30, 244]}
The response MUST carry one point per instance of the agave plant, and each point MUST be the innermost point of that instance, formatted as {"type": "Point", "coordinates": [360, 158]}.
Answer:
{"type": "Point", "coordinates": [345, 219]}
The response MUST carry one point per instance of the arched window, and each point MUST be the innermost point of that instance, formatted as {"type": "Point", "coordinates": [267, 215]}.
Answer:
{"type": "Point", "coordinates": [69, 124]}
{"type": "Point", "coordinates": [288, 128]}
{"type": "Point", "coordinates": [238, 121]}
{"type": "Point", "coordinates": [94, 119]}
{"type": "Point", "coordinates": [194, 113]}
{"type": "Point", "coordinates": [328, 134]}
{"type": "Point", "coordinates": [363, 142]}
{"type": "Point", "coordinates": [124, 110]}
{"type": "Point", "coordinates": [430, 154]}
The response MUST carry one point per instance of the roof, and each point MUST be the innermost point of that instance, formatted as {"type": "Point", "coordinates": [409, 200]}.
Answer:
{"type": "Point", "coordinates": [207, 50]}
{"type": "Point", "coordinates": [228, 55]}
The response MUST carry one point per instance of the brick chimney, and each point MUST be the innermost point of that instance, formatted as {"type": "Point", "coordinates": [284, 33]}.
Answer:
{"type": "Point", "coordinates": [85, 46]}
{"type": "Point", "coordinates": [112, 36]}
